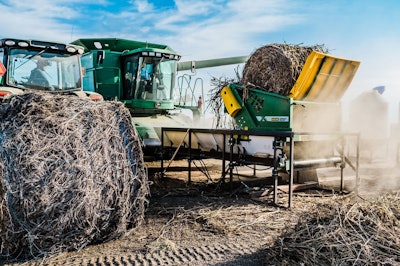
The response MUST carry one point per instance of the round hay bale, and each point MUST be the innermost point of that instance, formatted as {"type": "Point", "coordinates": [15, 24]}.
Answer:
{"type": "Point", "coordinates": [72, 174]}
{"type": "Point", "coordinates": [276, 67]}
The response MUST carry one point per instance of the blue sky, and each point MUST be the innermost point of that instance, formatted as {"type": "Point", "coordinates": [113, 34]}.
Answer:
{"type": "Point", "coordinates": [364, 30]}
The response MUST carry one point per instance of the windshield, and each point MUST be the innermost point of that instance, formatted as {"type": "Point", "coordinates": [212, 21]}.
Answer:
{"type": "Point", "coordinates": [149, 78]}
{"type": "Point", "coordinates": [43, 70]}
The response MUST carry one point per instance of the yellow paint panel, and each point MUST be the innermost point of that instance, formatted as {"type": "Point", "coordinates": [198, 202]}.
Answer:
{"type": "Point", "coordinates": [307, 75]}
{"type": "Point", "coordinates": [231, 103]}
{"type": "Point", "coordinates": [324, 78]}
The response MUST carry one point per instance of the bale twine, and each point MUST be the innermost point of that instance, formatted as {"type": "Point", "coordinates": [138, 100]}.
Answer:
{"type": "Point", "coordinates": [276, 67]}
{"type": "Point", "coordinates": [72, 174]}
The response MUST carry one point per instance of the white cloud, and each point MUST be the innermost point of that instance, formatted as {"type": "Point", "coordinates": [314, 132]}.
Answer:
{"type": "Point", "coordinates": [40, 9]}
{"type": "Point", "coordinates": [37, 19]}
{"type": "Point", "coordinates": [204, 29]}
{"type": "Point", "coordinates": [187, 8]}
{"type": "Point", "coordinates": [259, 7]}
{"type": "Point", "coordinates": [143, 6]}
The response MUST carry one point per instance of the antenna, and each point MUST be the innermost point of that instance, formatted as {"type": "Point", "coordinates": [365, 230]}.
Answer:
{"type": "Point", "coordinates": [72, 32]}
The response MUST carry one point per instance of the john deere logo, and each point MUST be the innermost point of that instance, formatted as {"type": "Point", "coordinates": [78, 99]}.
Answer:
{"type": "Point", "coordinates": [277, 118]}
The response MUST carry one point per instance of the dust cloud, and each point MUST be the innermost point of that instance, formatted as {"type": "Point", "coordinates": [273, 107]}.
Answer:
{"type": "Point", "coordinates": [318, 122]}
{"type": "Point", "coordinates": [379, 146]}
{"type": "Point", "coordinates": [379, 142]}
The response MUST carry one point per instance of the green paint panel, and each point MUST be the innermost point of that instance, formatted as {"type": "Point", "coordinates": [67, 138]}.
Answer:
{"type": "Point", "coordinates": [118, 45]}
{"type": "Point", "coordinates": [263, 110]}
{"type": "Point", "coordinates": [150, 104]}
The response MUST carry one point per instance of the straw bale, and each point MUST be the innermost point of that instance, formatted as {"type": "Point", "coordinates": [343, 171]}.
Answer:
{"type": "Point", "coordinates": [276, 67]}
{"type": "Point", "coordinates": [72, 174]}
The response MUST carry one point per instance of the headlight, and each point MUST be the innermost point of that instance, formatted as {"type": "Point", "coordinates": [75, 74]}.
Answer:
{"type": "Point", "coordinates": [23, 44]}
{"type": "Point", "coordinates": [10, 42]}
{"type": "Point", "coordinates": [71, 49]}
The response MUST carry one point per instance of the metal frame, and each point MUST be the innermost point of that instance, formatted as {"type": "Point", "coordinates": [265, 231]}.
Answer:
{"type": "Point", "coordinates": [287, 135]}
{"type": "Point", "coordinates": [288, 138]}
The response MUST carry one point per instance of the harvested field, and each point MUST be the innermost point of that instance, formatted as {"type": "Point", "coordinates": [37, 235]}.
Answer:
{"type": "Point", "coordinates": [201, 225]}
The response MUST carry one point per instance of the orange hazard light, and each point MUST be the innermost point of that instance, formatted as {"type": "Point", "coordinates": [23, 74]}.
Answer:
{"type": "Point", "coordinates": [4, 93]}
{"type": "Point", "coordinates": [96, 97]}
{"type": "Point", "coordinates": [2, 69]}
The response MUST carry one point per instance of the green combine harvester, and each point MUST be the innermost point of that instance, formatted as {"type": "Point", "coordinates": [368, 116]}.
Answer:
{"type": "Point", "coordinates": [143, 76]}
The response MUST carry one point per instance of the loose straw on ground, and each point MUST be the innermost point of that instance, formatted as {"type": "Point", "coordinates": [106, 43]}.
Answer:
{"type": "Point", "coordinates": [338, 233]}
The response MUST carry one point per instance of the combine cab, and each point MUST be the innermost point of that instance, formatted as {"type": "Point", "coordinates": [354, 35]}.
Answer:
{"type": "Point", "coordinates": [31, 65]}
{"type": "Point", "coordinates": [141, 75]}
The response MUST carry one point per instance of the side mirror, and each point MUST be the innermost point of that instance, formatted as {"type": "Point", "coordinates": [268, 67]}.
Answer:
{"type": "Point", "coordinates": [2, 69]}
{"type": "Point", "coordinates": [100, 57]}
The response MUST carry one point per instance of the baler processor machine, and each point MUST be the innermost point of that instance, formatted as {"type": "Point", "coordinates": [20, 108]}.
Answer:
{"type": "Point", "coordinates": [295, 133]}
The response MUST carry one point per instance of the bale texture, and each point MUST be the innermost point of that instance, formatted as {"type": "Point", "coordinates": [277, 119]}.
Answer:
{"type": "Point", "coordinates": [276, 67]}
{"type": "Point", "coordinates": [72, 174]}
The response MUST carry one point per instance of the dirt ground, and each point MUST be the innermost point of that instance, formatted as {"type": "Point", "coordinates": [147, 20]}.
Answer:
{"type": "Point", "coordinates": [210, 222]}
